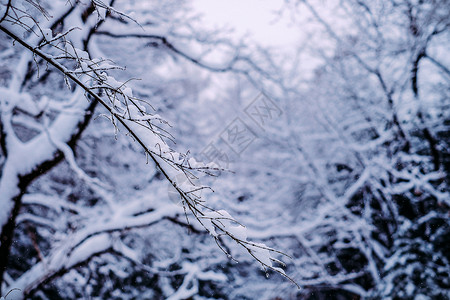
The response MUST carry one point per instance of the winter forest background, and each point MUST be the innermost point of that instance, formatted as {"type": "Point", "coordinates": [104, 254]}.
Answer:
{"type": "Point", "coordinates": [115, 117]}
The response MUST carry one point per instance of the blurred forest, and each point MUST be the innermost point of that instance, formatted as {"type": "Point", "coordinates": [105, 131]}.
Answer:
{"type": "Point", "coordinates": [344, 167]}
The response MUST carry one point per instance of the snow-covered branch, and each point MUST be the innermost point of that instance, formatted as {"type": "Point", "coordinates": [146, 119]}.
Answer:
{"type": "Point", "coordinates": [87, 76]}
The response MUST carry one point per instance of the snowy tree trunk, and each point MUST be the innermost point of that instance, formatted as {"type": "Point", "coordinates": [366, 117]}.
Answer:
{"type": "Point", "coordinates": [22, 167]}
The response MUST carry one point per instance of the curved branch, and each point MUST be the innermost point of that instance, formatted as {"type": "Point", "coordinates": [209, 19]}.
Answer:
{"type": "Point", "coordinates": [438, 64]}
{"type": "Point", "coordinates": [8, 5]}
{"type": "Point", "coordinates": [228, 67]}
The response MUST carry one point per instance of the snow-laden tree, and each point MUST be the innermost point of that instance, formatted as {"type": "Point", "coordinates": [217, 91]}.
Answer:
{"type": "Point", "coordinates": [347, 174]}
{"type": "Point", "coordinates": [373, 141]}
{"type": "Point", "coordinates": [57, 78]}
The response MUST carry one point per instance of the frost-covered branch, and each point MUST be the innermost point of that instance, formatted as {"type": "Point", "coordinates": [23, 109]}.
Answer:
{"type": "Point", "coordinates": [125, 111]}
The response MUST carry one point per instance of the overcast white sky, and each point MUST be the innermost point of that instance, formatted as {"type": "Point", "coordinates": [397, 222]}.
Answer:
{"type": "Point", "coordinates": [255, 17]}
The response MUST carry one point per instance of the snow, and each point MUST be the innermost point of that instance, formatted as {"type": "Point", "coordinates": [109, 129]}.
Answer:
{"type": "Point", "coordinates": [207, 220]}
{"type": "Point", "coordinates": [96, 244]}
{"type": "Point", "coordinates": [421, 297]}
{"type": "Point", "coordinates": [239, 232]}
{"type": "Point", "coordinates": [8, 189]}
{"type": "Point", "coordinates": [286, 190]}
{"type": "Point", "coordinates": [47, 33]}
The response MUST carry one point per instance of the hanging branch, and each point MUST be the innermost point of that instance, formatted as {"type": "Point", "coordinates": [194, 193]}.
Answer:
{"type": "Point", "coordinates": [127, 110]}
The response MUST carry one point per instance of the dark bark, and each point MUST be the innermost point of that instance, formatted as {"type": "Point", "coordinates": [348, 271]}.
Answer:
{"type": "Point", "coordinates": [432, 143]}
{"type": "Point", "coordinates": [7, 234]}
